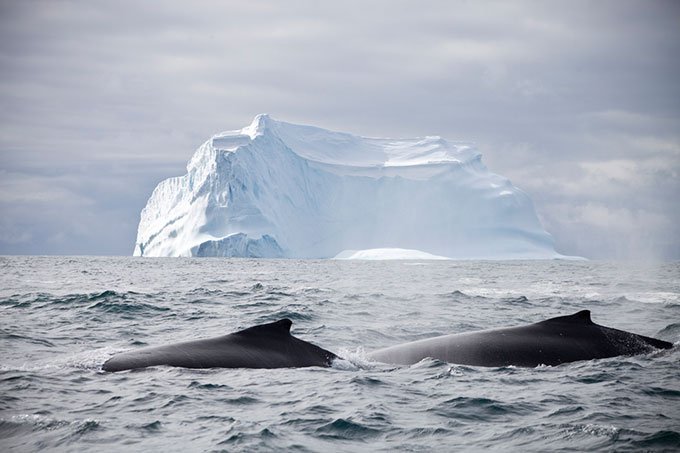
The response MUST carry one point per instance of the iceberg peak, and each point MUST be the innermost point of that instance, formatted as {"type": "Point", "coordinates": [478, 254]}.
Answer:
{"type": "Point", "coordinates": [276, 189]}
{"type": "Point", "coordinates": [257, 126]}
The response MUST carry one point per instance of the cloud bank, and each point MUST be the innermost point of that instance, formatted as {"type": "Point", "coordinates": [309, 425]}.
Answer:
{"type": "Point", "coordinates": [577, 102]}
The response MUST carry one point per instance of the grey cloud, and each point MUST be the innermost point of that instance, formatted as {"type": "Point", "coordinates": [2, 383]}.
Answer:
{"type": "Point", "coordinates": [104, 92]}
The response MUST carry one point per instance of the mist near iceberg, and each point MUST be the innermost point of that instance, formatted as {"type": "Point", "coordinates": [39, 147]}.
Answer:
{"type": "Point", "coordinates": [280, 190]}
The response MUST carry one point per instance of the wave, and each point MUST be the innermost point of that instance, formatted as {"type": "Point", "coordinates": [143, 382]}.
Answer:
{"type": "Point", "coordinates": [346, 429]}
{"type": "Point", "coordinates": [96, 299]}
{"type": "Point", "coordinates": [112, 306]}
{"type": "Point", "coordinates": [659, 439]}
{"type": "Point", "coordinates": [481, 409]}
{"type": "Point", "coordinates": [27, 423]}
{"type": "Point", "coordinates": [5, 335]}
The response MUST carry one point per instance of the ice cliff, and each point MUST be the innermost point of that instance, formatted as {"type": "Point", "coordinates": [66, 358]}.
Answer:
{"type": "Point", "coordinates": [275, 189]}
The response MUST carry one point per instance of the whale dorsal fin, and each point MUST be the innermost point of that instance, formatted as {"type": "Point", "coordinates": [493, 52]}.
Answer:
{"type": "Point", "coordinates": [280, 327]}
{"type": "Point", "coordinates": [581, 317]}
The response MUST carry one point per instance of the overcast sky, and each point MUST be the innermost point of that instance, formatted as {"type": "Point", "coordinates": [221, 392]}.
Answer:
{"type": "Point", "coordinates": [578, 103]}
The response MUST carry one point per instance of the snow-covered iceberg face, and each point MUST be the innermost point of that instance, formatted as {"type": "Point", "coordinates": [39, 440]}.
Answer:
{"type": "Point", "coordinates": [280, 190]}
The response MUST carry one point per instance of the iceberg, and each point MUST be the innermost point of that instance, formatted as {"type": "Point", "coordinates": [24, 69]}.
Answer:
{"type": "Point", "coordinates": [387, 254]}
{"type": "Point", "coordinates": [280, 190]}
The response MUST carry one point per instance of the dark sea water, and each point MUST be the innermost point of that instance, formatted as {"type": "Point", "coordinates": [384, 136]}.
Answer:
{"type": "Point", "coordinates": [62, 317]}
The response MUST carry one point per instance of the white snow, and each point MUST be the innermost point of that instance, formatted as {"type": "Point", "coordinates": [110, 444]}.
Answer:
{"type": "Point", "coordinates": [387, 254]}
{"type": "Point", "coordinates": [275, 189]}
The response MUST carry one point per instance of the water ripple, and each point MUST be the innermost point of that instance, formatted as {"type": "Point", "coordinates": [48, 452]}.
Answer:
{"type": "Point", "coordinates": [63, 317]}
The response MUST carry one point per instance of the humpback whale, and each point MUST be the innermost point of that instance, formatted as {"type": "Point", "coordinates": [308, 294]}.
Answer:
{"type": "Point", "coordinates": [552, 342]}
{"type": "Point", "coordinates": [263, 346]}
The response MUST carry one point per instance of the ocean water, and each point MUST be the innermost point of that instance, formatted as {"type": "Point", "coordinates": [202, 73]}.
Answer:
{"type": "Point", "coordinates": [62, 317]}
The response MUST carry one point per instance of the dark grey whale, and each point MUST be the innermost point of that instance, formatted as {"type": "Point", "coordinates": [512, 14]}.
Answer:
{"type": "Point", "coordinates": [263, 346]}
{"type": "Point", "coordinates": [552, 342]}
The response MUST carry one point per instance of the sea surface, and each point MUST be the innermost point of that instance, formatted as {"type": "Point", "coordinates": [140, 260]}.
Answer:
{"type": "Point", "coordinates": [62, 317]}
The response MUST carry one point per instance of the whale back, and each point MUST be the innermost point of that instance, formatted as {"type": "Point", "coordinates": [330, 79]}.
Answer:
{"type": "Point", "coordinates": [263, 346]}
{"type": "Point", "coordinates": [551, 342]}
